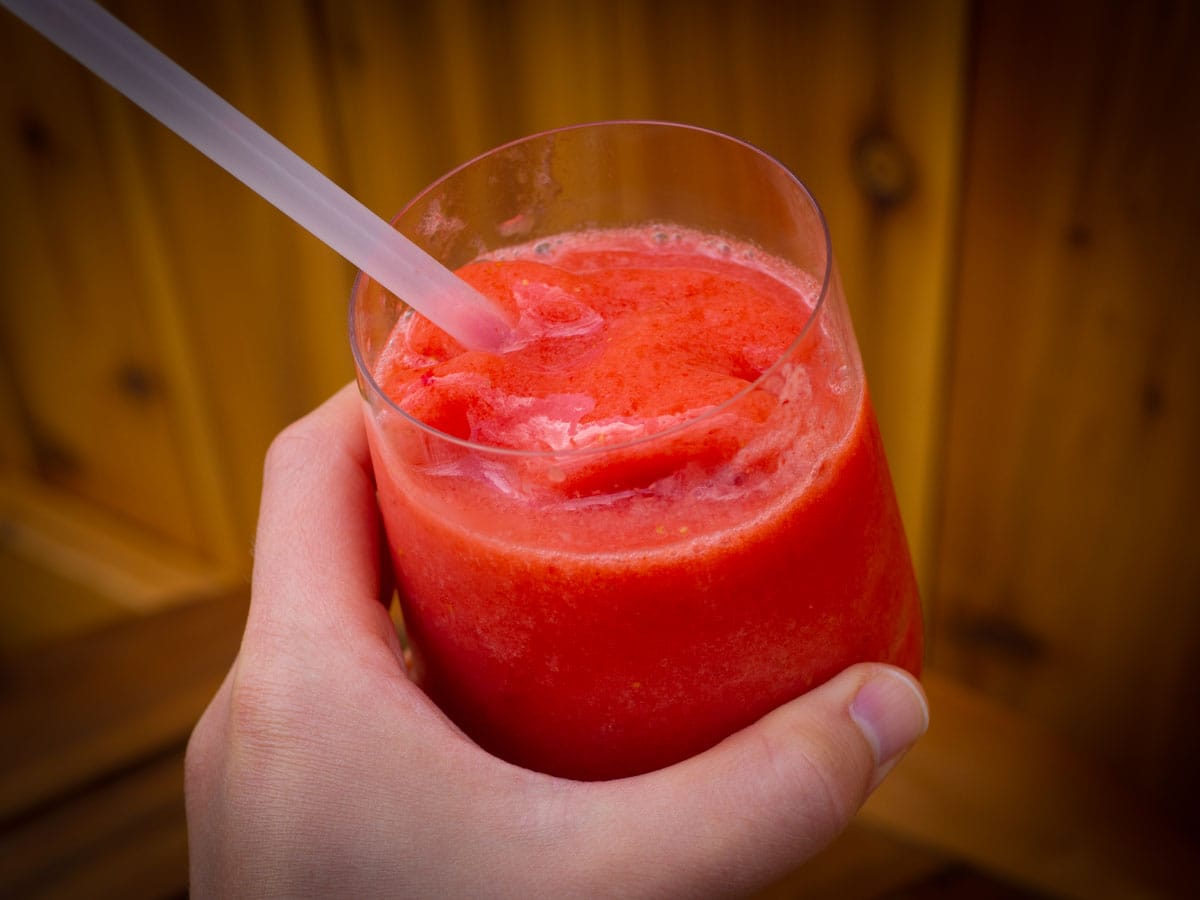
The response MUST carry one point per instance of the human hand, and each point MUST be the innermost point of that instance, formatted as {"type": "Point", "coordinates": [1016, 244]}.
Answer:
{"type": "Point", "coordinates": [320, 770]}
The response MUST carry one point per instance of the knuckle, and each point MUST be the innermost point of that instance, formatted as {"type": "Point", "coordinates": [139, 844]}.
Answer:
{"type": "Point", "coordinates": [288, 449]}
{"type": "Point", "coordinates": [198, 758]}
{"type": "Point", "coordinates": [262, 712]}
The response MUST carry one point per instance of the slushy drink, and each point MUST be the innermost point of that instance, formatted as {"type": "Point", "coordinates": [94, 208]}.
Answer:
{"type": "Point", "coordinates": [659, 512]}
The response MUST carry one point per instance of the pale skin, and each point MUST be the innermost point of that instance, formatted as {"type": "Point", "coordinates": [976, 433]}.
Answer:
{"type": "Point", "coordinates": [321, 770]}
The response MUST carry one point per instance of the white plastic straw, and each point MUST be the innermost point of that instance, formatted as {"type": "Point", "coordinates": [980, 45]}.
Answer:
{"type": "Point", "coordinates": [152, 81]}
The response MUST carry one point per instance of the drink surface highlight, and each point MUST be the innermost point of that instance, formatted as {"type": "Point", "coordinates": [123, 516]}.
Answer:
{"type": "Point", "coordinates": [660, 512]}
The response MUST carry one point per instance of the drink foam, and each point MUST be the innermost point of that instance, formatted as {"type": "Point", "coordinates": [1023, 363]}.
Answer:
{"type": "Point", "coordinates": [735, 403]}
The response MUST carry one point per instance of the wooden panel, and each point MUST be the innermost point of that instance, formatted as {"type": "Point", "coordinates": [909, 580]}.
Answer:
{"type": "Point", "coordinates": [1069, 581]}
{"type": "Point", "coordinates": [211, 321]}
{"type": "Point", "coordinates": [85, 367]}
{"type": "Point", "coordinates": [1009, 797]}
{"type": "Point", "coordinates": [98, 703]}
{"type": "Point", "coordinates": [92, 734]}
{"type": "Point", "coordinates": [126, 837]}
{"type": "Point", "coordinates": [385, 67]}
{"type": "Point", "coordinates": [260, 304]}
{"type": "Point", "coordinates": [29, 621]}
{"type": "Point", "coordinates": [16, 450]}
{"type": "Point", "coordinates": [861, 863]}
{"type": "Point", "coordinates": [68, 565]}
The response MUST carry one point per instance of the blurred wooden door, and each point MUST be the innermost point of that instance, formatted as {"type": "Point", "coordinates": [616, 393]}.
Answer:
{"type": "Point", "coordinates": [161, 323]}
{"type": "Point", "coordinates": [1068, 577]}
{"type": "Point", "coordinates": [1029, 332]}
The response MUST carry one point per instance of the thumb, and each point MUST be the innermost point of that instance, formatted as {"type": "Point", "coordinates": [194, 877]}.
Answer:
{"type": "Point", "coordinates": [767, 798]}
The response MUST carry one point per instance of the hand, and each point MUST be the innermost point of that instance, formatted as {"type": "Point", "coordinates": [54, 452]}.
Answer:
{"type": "Point", "coordinates": [320, 770]}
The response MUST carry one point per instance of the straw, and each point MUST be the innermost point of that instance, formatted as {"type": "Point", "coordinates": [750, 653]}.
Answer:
{"type": "Point", "coordinates": [151, 80]}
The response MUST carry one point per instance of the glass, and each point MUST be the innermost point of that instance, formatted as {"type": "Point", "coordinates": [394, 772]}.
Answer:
{"type": "Point", "coordinates": [606, 608]}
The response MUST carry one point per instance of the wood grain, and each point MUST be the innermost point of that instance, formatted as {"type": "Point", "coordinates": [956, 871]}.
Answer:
{"type": "Point", "coordinates": [68, 565]}
{"type": "Point", "coordinates": [1069, 577]}
{"type": "Point", "coordinates": [124, 837]}
{"type": "Point", "coordinates": [1014, 203]}
{"type": "Point", "coordinates": [261, 302]}
{"type": "Point", "coordinates": [106, 700]}
{"type": "Point", "coordinates": [862, 863]}
{"type": "Point", "coordinates": [1010, 797]}
{"type": "Point", "coordinates": [221, 321]}
{"type": "Point", "coordinates": [86, 369]}
{"type": "Point", "coordinates": [92, 736]}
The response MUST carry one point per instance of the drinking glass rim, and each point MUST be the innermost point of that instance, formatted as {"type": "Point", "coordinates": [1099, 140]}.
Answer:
{"type": "Point", "coordinates": [365, 374]}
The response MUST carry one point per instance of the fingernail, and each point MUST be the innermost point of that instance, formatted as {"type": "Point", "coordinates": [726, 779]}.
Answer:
{"type": "Point", "coordinates": [892, 712]}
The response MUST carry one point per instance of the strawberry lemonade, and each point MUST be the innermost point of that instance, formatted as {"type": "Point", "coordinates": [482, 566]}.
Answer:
{"type": "Point", "coordinates": [659, 511]}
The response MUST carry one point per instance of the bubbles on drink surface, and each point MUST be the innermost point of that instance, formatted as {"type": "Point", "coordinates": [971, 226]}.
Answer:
{"type": "Point", "coordinates": [653, 361]}
{"type": "Point", "coordinates": [549, 313]}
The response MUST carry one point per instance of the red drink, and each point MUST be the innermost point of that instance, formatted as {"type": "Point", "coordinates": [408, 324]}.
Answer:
{"type": "Point", "coordinates": [662, 512]}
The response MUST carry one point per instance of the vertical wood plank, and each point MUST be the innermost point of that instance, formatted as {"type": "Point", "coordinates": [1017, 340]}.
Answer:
{"type": "Point", "coordinates": [92, 403]}
{"type": "Point", "coordinates": [260, 301]}
{"type": "Point", "coordinates": [16, 450]}
{"type": "Point", "coordinates": [390, 103]}
{"type": "Point", "coordinates": [292, 76]}
{"type": "Point", "coordinates": [565, 56]}
{"type": "Point", "coordinates": [906, 165]}
{"type": "Point", "coordinates": [468, 53]}
{"type": "Point", "coordinates": [1069, 582]}
{"type": "Point", "coordinates": [203, 476]}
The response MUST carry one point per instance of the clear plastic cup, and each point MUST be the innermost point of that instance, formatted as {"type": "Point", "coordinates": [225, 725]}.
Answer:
{"type": "Point", "coordinates": [616, 604]}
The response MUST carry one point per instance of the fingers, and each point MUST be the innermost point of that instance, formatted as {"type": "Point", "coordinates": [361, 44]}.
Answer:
{"type": "Point", "coordinates": [317, 571]}
{"type": "Point", "coordinates": [724, 822]}
{"type": "Point", "coordinates": [892, 712]}
{"type": "Point", "coordinates": [752, 808]}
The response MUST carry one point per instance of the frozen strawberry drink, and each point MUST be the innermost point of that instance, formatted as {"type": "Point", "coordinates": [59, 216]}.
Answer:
{"type": "Point", "coordinates": [662, 508]}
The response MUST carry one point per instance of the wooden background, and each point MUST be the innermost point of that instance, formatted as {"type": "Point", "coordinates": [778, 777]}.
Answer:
{"type": "Point", "coordinates": [1014, 195]}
